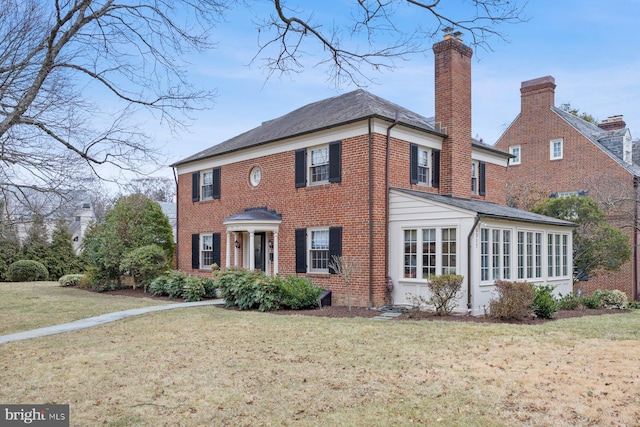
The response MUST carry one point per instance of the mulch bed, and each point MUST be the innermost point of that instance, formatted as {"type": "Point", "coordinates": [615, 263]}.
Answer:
{"type": "Point", "coordinates": [345, 312]}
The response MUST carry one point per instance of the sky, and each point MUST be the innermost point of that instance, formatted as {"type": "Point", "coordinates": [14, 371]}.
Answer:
{"type": "Point", "coordinates": [591, 48]}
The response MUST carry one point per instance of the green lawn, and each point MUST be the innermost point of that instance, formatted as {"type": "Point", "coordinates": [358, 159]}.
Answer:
{"type": "Point", "coordinates": [208, 366]}
{"type": "Point", "coordinates": [32, 305]}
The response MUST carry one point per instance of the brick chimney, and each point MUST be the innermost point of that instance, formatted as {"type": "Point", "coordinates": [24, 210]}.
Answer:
{"type": "Point", "coordinates": [537, 94]}
{"type": "Point", "coordinates": [612, 123]}
{"type": "Point", "coordinates": [453, 112]}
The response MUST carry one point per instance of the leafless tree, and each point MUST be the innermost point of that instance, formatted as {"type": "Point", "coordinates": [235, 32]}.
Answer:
{"type": "Point", "coordinates": [157, 188]}
{"type": "Point", "coordinates": [346, 268]}
{"type": "Point", "coordinates": [76, 76]}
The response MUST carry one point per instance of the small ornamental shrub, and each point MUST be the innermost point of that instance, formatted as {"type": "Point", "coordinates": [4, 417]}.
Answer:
{"type": "Point", "coordinates": [544, 302]}
{"type": "Point", "coordinates": [513, 300]}
{"type": "Point", "coordinates": [78, 280]}
{"type": "Point", "coordinates": [593, 302]}
{"type": "Point", "coordinates": [635, 305]}
{"type": "Point", "coordinates": [570, 301]}
{"type": "Point", "coordinates": [612, 299]}
{"type": "Point", "coordinates": [445, 290]}
{"type": "Point", "coordinates": [27, 271]}
{"type": "Point", "coordinates": [297, 292]}
{"type": "Point", "coordinates": [144, 264]}
{"type": "Point", "coordinates": [193, 289]}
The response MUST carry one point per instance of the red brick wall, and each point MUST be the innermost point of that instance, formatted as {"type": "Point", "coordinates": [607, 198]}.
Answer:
{"type": "Point", "coordinates": [582, 167]}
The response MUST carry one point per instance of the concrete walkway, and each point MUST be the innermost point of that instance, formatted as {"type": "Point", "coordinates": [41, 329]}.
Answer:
{"type": "Point", "coordinates": [99, 320]}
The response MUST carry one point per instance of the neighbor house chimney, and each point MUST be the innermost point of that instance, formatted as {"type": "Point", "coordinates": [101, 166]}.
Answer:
{"type": "Point", "coordinates": [612, 123]}
{"type": "Point", "coordinates": [537, 94]}
{"type": "Point", "coordinates": [453, 112]}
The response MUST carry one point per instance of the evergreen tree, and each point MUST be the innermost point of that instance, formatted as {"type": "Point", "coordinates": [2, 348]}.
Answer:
{"type": "Point", "coordinates": [61, 258]}
{"type": "Point", "coordinates": [36, 245]}
{"type": "Point", "coordinates": [9, 247]}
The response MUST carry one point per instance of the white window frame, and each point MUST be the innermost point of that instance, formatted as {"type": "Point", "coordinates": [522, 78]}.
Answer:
{"type": "Point", "coordinates": [495, 254]}
{"type": "Point", "coordinates": [475, 167]}
{"type": "Point", "coordinates": [318, 163]}
{"type": "Point", "coordinates": [516, 151]}
{"type": "Point", "coordinates": [206, 246]}
{"type": "Point", "coordinates": [414, 255]}
{"type": "Point", "coordinates": [424, 167]}
{"type": "Point", "coordinates": [553, 153]}
{"type": "Point", "coordinates": [314, 254]}
{"type": "Point", "coordinates": [206, 187]}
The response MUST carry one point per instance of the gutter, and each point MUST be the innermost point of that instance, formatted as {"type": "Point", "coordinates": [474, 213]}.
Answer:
{"type": "Point", "coordinates": [370, 143]}
{"type": "Point", "coordinates": [175, 178]}
{"type": "Point", "coordinates": [386, 207]}
{"type": "Point", "coordinates": [473, 229]}
{"type": "Point", "coordinates": [636, 183]}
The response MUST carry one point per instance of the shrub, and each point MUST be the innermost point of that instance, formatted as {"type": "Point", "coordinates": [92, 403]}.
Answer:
{"type": "Point", "coordinates": [612, 299]}
{"type": "Point", "coordinates": [297, 292]}
{"type": "Point", "coordinates": [193, 289]}
{"type": "Point", "coordinates": [514, 300]}
{"type": "Point", "coordinates": [247, 290]}
{"type": "Point", "coordinates": [634, 305]}
{"type": "Point", "coordinates": [78, 280]}
{"type": "Point", "coordinates": [27, 271]}
{"type": "Point", "coordinates": [570, 301]}
{"type": "Point", "coordinates": [445, 290]}
{"type": "Point", "coordinates": [544, 302]}
{"type": "Point", "coordinates": [592, 301]}
{"type": "Point", "coordinates": [144, 264]}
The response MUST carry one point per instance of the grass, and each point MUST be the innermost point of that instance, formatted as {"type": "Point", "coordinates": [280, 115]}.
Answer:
{"type": "Point", "coordinates": [209, 366]}
{"type": "Point", "coordinates": [32, 305]}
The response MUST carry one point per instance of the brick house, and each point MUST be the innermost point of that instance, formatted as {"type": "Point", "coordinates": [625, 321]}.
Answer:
{"type": "Point", "coordinates": [402, 195]}
{"type": "Point", "coordinates": [563, 154]}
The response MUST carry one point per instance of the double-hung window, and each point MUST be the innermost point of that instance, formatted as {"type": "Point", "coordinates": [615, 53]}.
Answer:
{"type": "Point", "coordinates": [319, 250]}
{"type": "Point", "coordinates": [474, 177]}
{"type": "Point", "coordinates": [557, 255]}
{"type": "Point", "coordinates": [428, 252]}
{"type": "Point", "coordinates": [206, 250]}
{"type": "Point", "coordinates": [207, 185]}
{"type": "Point", "coordinates": [555, 149]}
{"type": "Point", "coordinates": [424, 172]}
{"type": "Point", "coordinates": [319, 168]}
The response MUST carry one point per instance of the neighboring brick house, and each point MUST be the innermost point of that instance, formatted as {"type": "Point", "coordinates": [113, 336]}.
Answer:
{"type": "Point", "coordinates": [563, 154]}
{"type": "Point", "coordinates": [355, 175]}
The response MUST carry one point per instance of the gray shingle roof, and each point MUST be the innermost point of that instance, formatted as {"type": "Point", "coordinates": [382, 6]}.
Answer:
{"type": "Point", "coordinates": [609, 141]}
{"type": "Point", "coordinates": [325, 114]}
{"type": "Point", "coordinates": [489, 210]}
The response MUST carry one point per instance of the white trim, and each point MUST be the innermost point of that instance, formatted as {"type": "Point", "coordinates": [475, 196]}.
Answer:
{"type": "Point", "coordinates": [552, 143]}
{"type": "Point", "coordinates": [518, 159]}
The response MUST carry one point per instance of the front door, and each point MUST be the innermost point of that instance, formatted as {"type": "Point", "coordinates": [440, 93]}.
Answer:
{"type": "Point", "coordinates": [260, 246]}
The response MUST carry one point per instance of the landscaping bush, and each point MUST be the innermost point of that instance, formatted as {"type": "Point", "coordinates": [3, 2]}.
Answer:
{"type": "Point", "coordinates": [444, 290]}
{"type": "Point", "coordinates": [612, 299]}
{"type": "Point", "coordinates": [570, 301]}
{"type": "Point", "coordinates": [297, 292]}
{"type": "Point", "coordinates": [193, 289]}
{"type": "Point", "coordinates": [78, 280]}
{"type": "Point", "coordinates": [513, 301]}
{"type": "Point", "coordinates": [27, 271]}
{"type": "Point", "coordinates": [544, 302]}
{"type": "Point", "coordinates": [144, 264]}
{"type": "Point", "coordinates": [592, 302]}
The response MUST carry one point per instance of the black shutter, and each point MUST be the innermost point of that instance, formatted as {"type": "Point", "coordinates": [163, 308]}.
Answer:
{"type": "Point", "coordinates": [215, 256]}
{"type": "Point", "coordinates": [435, 168]}
{"type": "Point", "coordinates": [195, 186]}
{"type": "Point", "coordinates": [195, 251]}
{"type": "Point", "coordinates": [335, 244]}
{"type": "Point", "coordinates": [413, 164]}
{"type": "Point", "coordinates": [482, 178]}
{"type": "Point", "coordinates": [301, 168]}
{"type": "Point", "coordinates": [216, 182]}
{"type": "Point", "coordinates": [335, 161]}
{"type": "Point", "coordinates": [301, 250]}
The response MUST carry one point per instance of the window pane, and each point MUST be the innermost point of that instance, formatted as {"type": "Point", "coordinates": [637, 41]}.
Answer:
{"type": "Point", "coordinates": [538, 254]}
{"type": "Point", "coordinates": [423, 166]}
{"type": "Point", "coordinates": [506, 254]}
{"type": "Point", "coordinates": [495, 254]}
{"type": "Point", "coordinates": [529, 255]}
{"type": "Point", "coordinates": [410, 253]}
{"type": "Point", "coordinates": [484, 254]}
{"type": "Point", "coordinates": [206, 250]}
{"type": "Point", "coordinates": [320, 164]}
{"type": "Point", "coordinates": [558, 254]}
{"type": "Point", "coordinates": [565, 267]}
{"type": "Point", "coordinates": [428, 252]}
{"type": "Point", "coordinates": [520, 255]}
{"type": "Point", "coordinates": [448, 251]}
{"type": "Point", "coordinates": [550, 255]}
{"type": "Point", "coordinates": [320, 156]}
{"type": "Point", "coordinates": [207, 185]}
